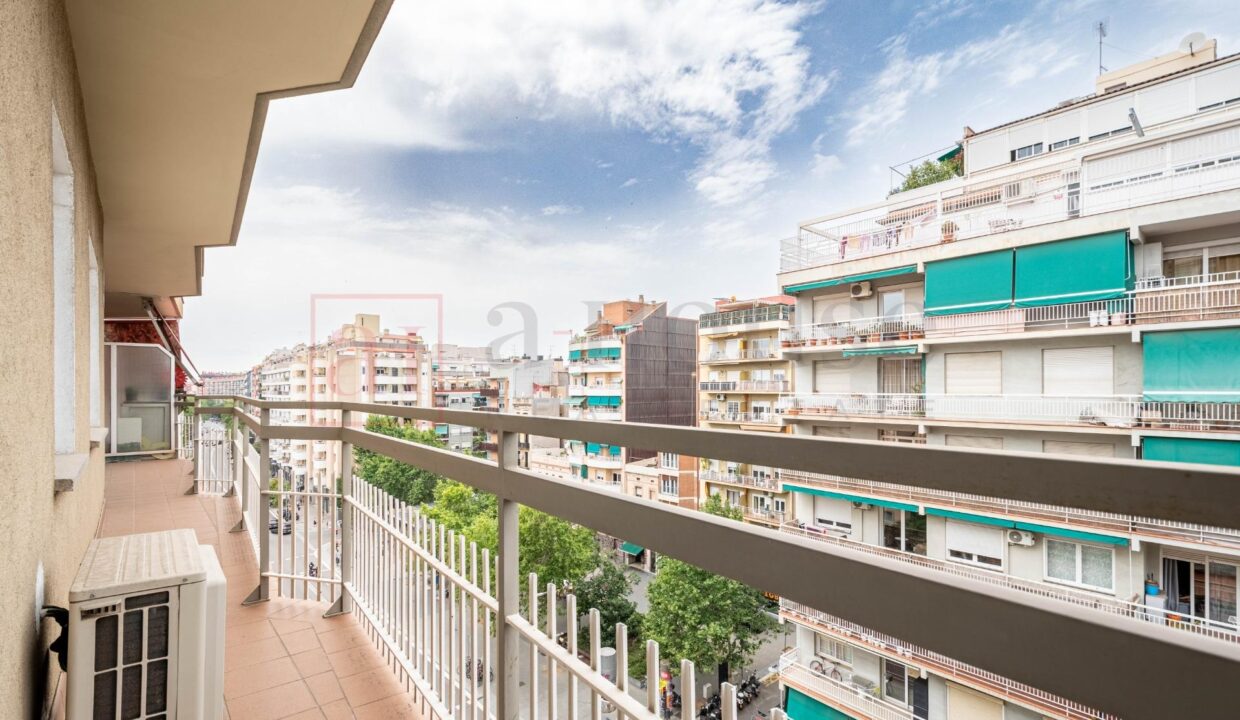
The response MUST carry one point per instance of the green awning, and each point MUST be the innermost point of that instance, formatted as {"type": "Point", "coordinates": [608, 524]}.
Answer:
{"type": "Point", "coordinates": [1031, 527]}
{"type": "Point", "coordinates": [802, 287]}
{"type": "Point", "coordinates": [949, 154]}
{"type": "Point", "coordinates": [1192, 365]}
{"type": "Point", "coordinates": [1097, 267]}
{"type": "Point", "coordinates": [864, 352]}
{"type": "Point", "coordinates": [1191, 450]}
{"type": "Point", "coordinates": [973, 283]}
{"type": "Point", "coordinates": [603, 401]}
{"type": "Point", "coordinates": [592, 448]}
{"type": "Point", "coordinates": [851, 498]}
{"type": "Point", "coordinates": [603, 352]}
{"type": "Point", "coordinates": [574, 401]}
{"type": "Point", "coordinates": [574, 354]}
{"type": "Point", "coordinates": [614, 449]}
{"type": "Point", "coordinates": [631, 549]}
{"type": "Point", "coordinates": [800, 706]}
{"type": "Point", "coordinates": [585, 473]}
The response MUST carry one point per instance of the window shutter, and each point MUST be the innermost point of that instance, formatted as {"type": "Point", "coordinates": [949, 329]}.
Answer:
{"type": "Point", "coordinates": [975, 441]}
{"type": "Point", "coordinates": [966, 704]}
{"type": "Point", "coordinates": [837, 512]}
{"type": "Point", "coordinates": [1219, 86]}
{"type": "Point", "coordinates": [1087, 449]}
{"type": "Point", "coordinates": [974, 538]}
{"type": "Point", "coordinates": [977, 373]}
{"type": "Point", "coordinates": [832, 432]}
{"type": "Point", "coordinates": [1078, 372]}
{"type": "Point", "coordinates": [831, 376]}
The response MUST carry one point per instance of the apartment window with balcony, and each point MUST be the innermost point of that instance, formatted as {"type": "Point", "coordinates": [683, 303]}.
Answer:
{"type": "Point", "coordinates": [899, 376]}
{"type": "Point", "coordinates": [974, 544]}
{"type": "Point", "coordinates": [973, 373]}
{"type": "Point", "coordinates": [1089, 566]}
{"type": "Point", "coordinates": [761, 504]}
{"type": "Point", "coordinates": [760, 410]}
{"type": "Point", "coordinates": [779, 505]}
{"type": "Point", "coordinates": [734, 407]}
{"type": "Point", "coordinates": [1027, 151]}
{"type": "Point", "coordinates": [891, 303]}
{"type": "Point", "coordinates": [904, 531]}
{"type": "Point", "coordinates": [733, 498]}
{"type": "Point", "coordinates": [832, 514]}
{"type": "Point", "coordinates": [615, 478]}
{"type": "Point", "coordinates": [1201, 587]}
{"type": "Point", "coordinates": [895, 682]}
{"type": "Point", "coordinates": [837, 651]}
{"type": "Point", "coordinates": [671, 486]}
{"type": "Point", "coordinates": [1078, 372]}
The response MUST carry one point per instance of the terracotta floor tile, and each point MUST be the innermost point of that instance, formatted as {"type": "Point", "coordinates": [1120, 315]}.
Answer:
{"type": "Point", "coordinates": [239, 682]}
{"type": "Point", "coordinates": [249, 654]}
{"type": "Point", "coordinates": [395, 707]}
{"type": "Point", "coordinates": [311, 714]}
{"type": "Point", "coordinates": [325, 688]}
{"type": "Point", "coordinates": [286, 627]}
{"type": "Point", "coordinates": [312, 662]}
{"type": "Point", "coordinates": [249, 632]}
{"type": "Point", "coordinates": [367, 687]}
{"type": "Point", "coordinates": [338, 710]}
{"type": "Point", "coordinates": [354, 661]}
{"type": "Point", "coordinates": [301, 641]}
{"type": "Point", "coordinates": [272, 703]}
{"type": "Point", "coordinates": [342, 638]}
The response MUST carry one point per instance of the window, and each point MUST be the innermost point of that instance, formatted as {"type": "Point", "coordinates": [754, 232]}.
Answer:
{"type": "Point", "coordinates": [895, 682]}
{"type": "Point", "coordinates": [899, 375]}
{"type": "Point", "coordinates": [615, 478]}
{"type": "Point", "coordinates": [904, 531]}
{"type": "Point", "coordinates": [975, 441]}
{"type": "Point", "coordinates": [669, 460]}
{"type": "Point", "coordinates": [891, 302]}
{"type": "Point", "coordinates": [779, 505]}
{"type": "Point", "coordinates": [1061, 144]}
{"type": "Point", "coordinates": [64, 295]}
{"type": "Point", "coordinates": [975, 544]}
{"type": "Point", "coordinates": [1027, 151]}
{"type": "Point", "coordinates": [1078, 564]}
{"type": "Point", "coordinates": [975, 373]}
{"type": "Point", "coordinates": [832, 376]}
{"type": "Point", "coordinates": [671, 486]}
{"type": "Point", "coordinates": [1069, 447]}
{"type": "Point", "coordinates": [1201, 588]}
{"type": "Point", "coordinates": [761, 503]}
{"type": "Point", "coordinates": [733, 498]}
{"type": "Point", "coordinates": [638, 491]}
{"type": "Point", "coordinates": [1110, 133]}
{"type": "Point", "coordinates": [1078, 372]}
{"type": "Point", "coordinates": [1224, 263]}
{"type": "Point", "coordinates": [832, 514]}
{"type": "Point", "coordinates": [835, 650]}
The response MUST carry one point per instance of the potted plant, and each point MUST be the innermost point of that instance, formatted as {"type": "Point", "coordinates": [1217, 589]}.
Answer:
{"type": "Point", "coordinates": [872, 334]}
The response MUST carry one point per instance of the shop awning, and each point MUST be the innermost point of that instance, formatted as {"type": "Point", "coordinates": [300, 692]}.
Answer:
{"type": "Point", "coordinates": [802, 287]}
{"type": "Point", "coordinates": [1097, 267]}
{"type": "Point", "coordinates": [973, 283]}
{"type": "Point", "coordinates": [800, 706]}
{"type": "Point", "coordinates": [1192, 365]}
{"type": "Point", "coordinates": [631, 549]}
{"type": "Point", "coordinates": [867, 352]}
{"type": "Point", "coordinates": [1031, 527]}
{"type": "Point", "coordinates": [1191, 450]}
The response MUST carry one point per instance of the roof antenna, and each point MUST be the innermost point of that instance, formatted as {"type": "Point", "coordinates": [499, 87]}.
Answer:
{"type": "Point", "coordinates": [1101, 28]}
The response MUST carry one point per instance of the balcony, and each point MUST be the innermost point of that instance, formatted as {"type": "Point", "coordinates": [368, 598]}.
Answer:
{"type": "Point", "coordinates": [595, 365]}
{"type": "Point", "coordinates": [743, 418]}
{"type": "Point", "coordinates": [858, 699]}
{"type": "Point", "coordinates": [950, 212]}
{"type": "Point", "coordinates": [604, 461]}
{"type": "Point", "coordinates": [386, 545]}
{"type": "Point", "coordinates": [596, 413]}
{"type": "Point", "coordinates": [735, 320]}
{"type": "Point", "coordinates": [747, 355]}
{"type": "Point", "coordinates": [592, 390]}
{"type": "Point", "coordinates": [761, 482]}
{"type": "Point", "coordinates": [1111, 412]}
{"type": "Point", "coordinates": [743, 386]}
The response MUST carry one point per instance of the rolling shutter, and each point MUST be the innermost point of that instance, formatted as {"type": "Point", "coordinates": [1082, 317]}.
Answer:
{"type": "Point", "coordinates": [832, 432]}
{"type": "Point", "coordinates": [1085, 449]}
{"type": "Point", "coordinates": [976, 373]}
{"type": "Point", "coordinates": [969, 284]}
{"type": "Point", "coordinates": [831, 308]}
{"type": "Point", "coordinates": [1097, 267]}
{"type": "Point", "coordinates": [1078, 372]}
{"type": "Point", "coordinates": [832, 376]}
{"type": "Point", "coordinates": [1105, 117]}
{"type": "Point", "coordinates": [976, 539]}
{"type": "Point", "coordinates": [984, 442]}
{"type": "Point", "coordinates": [1219, 86]}
{"type": "Point", "coordinates": [829, 512]}
{"type": "Point", "coordinates": [1192, 365]}
{"type": "Point", "coordinates": [966, 704]}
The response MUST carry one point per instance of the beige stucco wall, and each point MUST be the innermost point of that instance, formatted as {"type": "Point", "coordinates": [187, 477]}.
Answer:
{"type": "Point", "coordinates": [38, 528]}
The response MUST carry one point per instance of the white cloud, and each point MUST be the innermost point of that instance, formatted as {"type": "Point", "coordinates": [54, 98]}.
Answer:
{"type": "Point", "coordinates": [727, 77]}
{"type": "Point", "coordinates": [629, 183]}
{"type": "Point", "coordinates": [823, 165]}
{"type": "Point", "coordinates": [561, 210]}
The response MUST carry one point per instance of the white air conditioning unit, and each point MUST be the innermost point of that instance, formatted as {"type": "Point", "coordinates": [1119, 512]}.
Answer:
{"type": "Point", "coordinates": [861, 289]}
{"type": "Point", "coordinates": [1020, 537]}
{"type": "Point", "coordinates": [146, 629]}
{"type": "Point", "coordinates": [1017, 192]}
{"type": "Point", "coordinates": [721, 397]}
{"type": "Point", "coordinates": [863, 506]}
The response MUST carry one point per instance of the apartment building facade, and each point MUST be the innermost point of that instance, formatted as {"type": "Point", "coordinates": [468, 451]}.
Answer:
{"type": "Point", "coordinates": [1076, 291]}
{"type": "Point", "coordinates": [226, 383]}
{"type": "Point", "coordinates": [742, 373]}
{"type": "Point", "coordinates": [634, 363]}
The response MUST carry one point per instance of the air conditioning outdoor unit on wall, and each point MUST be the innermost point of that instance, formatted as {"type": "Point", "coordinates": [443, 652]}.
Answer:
{"type": "Point", "coordinates": [1020, 537]}
{"type": "Point", "coordinates": [861, 289]}
{"type": "Point", "coordinates": [146, 629]}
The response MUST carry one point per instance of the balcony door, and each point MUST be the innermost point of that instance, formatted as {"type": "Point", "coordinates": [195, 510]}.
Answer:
{"type": "Point", "coordinates": [899, 376]}
{"type": "Point", "coordinates": [1201, 588]}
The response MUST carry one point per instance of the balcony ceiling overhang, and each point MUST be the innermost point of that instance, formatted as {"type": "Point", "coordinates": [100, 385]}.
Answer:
{"type": "Point", "coordinates": [175, 95]}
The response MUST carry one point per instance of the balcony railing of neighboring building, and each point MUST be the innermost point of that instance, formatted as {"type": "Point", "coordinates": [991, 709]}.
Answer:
{"type": "Point", "coordinates": [601, 365]}
{"type": "Point", "coordinates": [1118, 182]}
{"type": "Point", "coordinates": [385, 544]}
{"type": "Point", "coordinates": [594, 413]}
{"type": "Point", "coordinates": [847, 696]}
{"type": "Point", "coordinates": [763, 515]}
{"type": "Point", "coordinates": [941, 665]}
{"type": "Point", "coordinates": [1109, 604]}
{"type": "Point", "coordinates": [770, 353]}
{"type": "Point", "coordinates": [1146, 528]}
{"type": "Point", "coordinates": [748, 316]}
{"type": "Point", "coordinates": [587, 341]}
{"type": "Point", "coordinates": [762, 482]}
{"type": "Point", "coordinates": [1156, 300]}
{"type": "Point", "coordinates": [607, 389]}
{"type": "Point", "coordinates": [1112, 411]}
{"type": "Point", "coordinates": [745, 386]}
{"type": "Point", "coordinates": [758, 418]}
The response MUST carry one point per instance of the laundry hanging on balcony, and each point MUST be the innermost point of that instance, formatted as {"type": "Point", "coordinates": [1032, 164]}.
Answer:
{"type": "Point", "coordinates": [1097, 267]}
{"type": "Point", "coordinates": [1192, 366]}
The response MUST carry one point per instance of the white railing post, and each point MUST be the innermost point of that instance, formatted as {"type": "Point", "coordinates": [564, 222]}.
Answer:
{"type": "Point", "coordinates": [261, 593]}
{"type": "Point", "coordinates": [196, 444]}
{"type": "Point", "coordinates": [344, 603]}
{"type": "Point", "coordinates": [688, 691]}
{"type": "Point", "coordinates": [241, 449]}
{"type": "Point", "coordinates": [508, 689]}
{"type": "Point", "coordinates": [727, 700]}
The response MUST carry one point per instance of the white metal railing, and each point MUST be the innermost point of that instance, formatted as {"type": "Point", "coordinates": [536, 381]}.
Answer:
{"type": "Point", "coordinates": [608, 389]}
{"type": "Point", "coordinates": [213, 459]}
{"type": "Point", "coordinates": [907, 326]}
{"type": "Point", "coordinates": [185, 435]}
{"type": "Point", "coordinates": [769, 353]}
{"type": "Point", "coordinates": [1108, 604]}
{"type": "Point", "coordinates": [839, 693]}
{"type": "Point", "coordinates": [595, 365]}
{"type": "Point", "coordinates": [748, 316]}
{"type": "Point", "coordinates": [1094, 520]}
{"type": "Point", "coordinates": [983, 680]}
{"type": "Point", "coordinates": [1115, 411]}
{"type": "Point", "coordinates": [599, 413]}
{"type": "Point", "coordinates": [754, 386]}
{"type": "Point", "coordinates": [764, 418]}
{"type": "Point", "coordinates": [1158, 282]}
{"type": "Point", "coordinates": [762, 482]}
{"type": "Point", "coordinates": [956, 213]}
{"type": "Point", "coordinates": [376, 548]}
{"type": "Point", "coordinates": [764, 515]}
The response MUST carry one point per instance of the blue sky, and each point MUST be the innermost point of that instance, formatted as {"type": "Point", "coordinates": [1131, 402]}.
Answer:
{"type": "Point", "coordinates": [549, 155]}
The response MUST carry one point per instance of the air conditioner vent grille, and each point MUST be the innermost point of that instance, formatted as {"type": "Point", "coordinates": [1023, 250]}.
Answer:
{"type": "Point", "coordinates": [139, 645]}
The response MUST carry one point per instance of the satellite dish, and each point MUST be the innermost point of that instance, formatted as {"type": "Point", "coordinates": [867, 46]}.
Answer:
{"type": "Point", "coordinates": [1192, 42]}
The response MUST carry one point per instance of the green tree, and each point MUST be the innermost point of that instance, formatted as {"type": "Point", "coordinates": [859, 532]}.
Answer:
{"type": "Point", "coordinates": [607, 590]}
{"type": "Point", "coordinates": [705, 617]}
{"type": "Point", "coordinates": [400, 480]}
{"type": "Point", "coordinates": [931, 172]}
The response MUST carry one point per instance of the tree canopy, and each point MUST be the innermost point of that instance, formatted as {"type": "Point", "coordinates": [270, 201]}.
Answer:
{"type": "Point", "coordinates": [702, 616]}
{"type": "Point", "coordinates": [931, 172]}
{"type": "Point", "coordinates": [400, 480]}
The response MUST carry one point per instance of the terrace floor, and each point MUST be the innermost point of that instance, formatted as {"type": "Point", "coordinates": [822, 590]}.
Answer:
{"type": "Point", "coordinates": [283, 659]}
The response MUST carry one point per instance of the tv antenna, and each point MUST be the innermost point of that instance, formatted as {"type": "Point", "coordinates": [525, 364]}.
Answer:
{"type": "Point", "coordinates": [1101, 28]}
